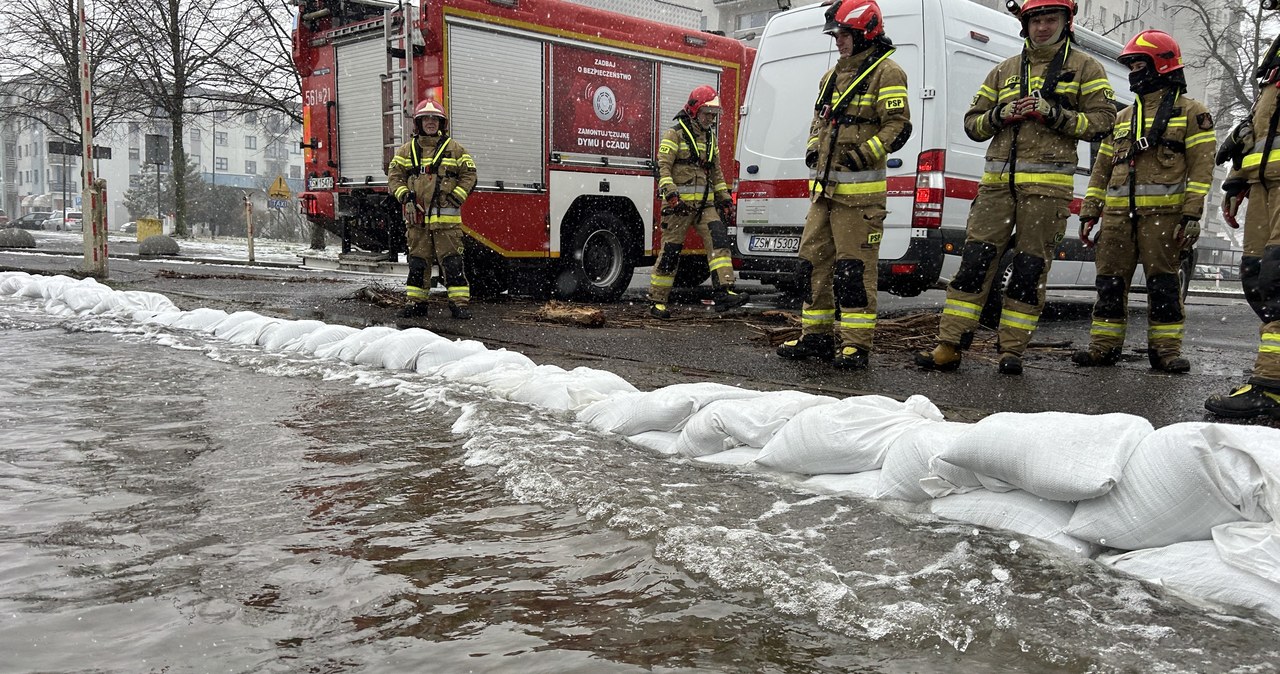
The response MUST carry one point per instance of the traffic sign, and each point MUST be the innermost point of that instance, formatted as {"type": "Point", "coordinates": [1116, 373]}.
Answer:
{"type": "Point", "coordinates": [278, 204]}
{"type": "Point", "coordinates": [279, 189]}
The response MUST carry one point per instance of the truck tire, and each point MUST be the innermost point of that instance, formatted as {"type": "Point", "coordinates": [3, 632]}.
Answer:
{"type": "Point", "coordinates": [693, 271]}
{"type": "Point", "coordinates": [602, 262]}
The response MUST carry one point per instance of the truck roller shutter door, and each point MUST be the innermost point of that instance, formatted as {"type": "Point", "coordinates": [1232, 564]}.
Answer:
{"type": "Point", "coordinates": [675, 84]}
{"type": "Point", "coordinates": [495, 104]}
{"type": "Point", "coordinates": [360, 66]}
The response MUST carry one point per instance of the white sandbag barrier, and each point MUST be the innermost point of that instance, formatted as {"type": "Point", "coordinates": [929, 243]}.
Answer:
{"type": "Point", "coordinates": [1196, 503]}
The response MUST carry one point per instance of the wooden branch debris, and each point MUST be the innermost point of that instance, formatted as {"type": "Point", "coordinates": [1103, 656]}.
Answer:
{"type": "Point", "coordinates": [567, 314]}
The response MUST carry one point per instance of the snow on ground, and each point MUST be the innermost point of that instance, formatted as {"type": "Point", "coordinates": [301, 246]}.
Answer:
{"type": "Point", "coordinates": [1191, 506]}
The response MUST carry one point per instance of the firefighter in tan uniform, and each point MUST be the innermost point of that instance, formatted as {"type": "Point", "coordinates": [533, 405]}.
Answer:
{"type": "Point", "coordinates": [1255, 149]}
{"type": "Point", "coordinates": [431, 175]}
{"type": "Point", "coordinates": [1148, 185]}
{"type": "Point", "coordinates": [1035, 107]}
{"type": "Point", "coordinates": [694, 194]}
{"type": "Point", "coordinates": [861, 116]}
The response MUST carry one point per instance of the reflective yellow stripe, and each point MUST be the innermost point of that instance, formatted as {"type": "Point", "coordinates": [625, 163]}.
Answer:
{"type": "Point", "coordinates": [1199, 138]}
{"type": "Point", "coordinates": [1198, 188]}
{"type": "Point", "coordinates": [1107, 329]}
{"type": "Point", "coordinates": [1082, 123]}
{"type": "Point", "coordinates": [718, 263]}
{"type": "Point", "coordinates": [400, 191]}
{"type": "Point", "coordinates": [459, 292]}
{"type": "Point", "coordinates": [987, 93]}
{"type": "Point", "coordinates": [462, 193]}
{"type": "Point", "coordinates": [962, 309]}
{"type": "Point", "coordinates": [1028, 178]}
{"type": "Point", "coordinates": [445, 219]}
{"type": "Point", "coordinates": [665, 180]}
{"type": "Point", "coordinates": [415, 293]}
{"type": "Point", "coordinates": [720, 187]}
{"type": "Point", "coordinates": [1255, 158]}
{"type": "Point", "coordinates": [1146, 201]}
{"type": "Point", "coordinates": [1017, 319]}
{"type": "Point", "coordinates": [877, 148]}
{"type": "Point", "coordinates": [1171, 330]}
{"type": "Point", "coordinates": [1270, 348]}
{"type": "Point", "coordinates": [1095, 193]}
{"type": "Point", "coordinates": [660, 281]}
{"type": "Point", "coordinates": [818, 317]}
{"type": "Point", "coordinates": [873, 187]}
{"type": "Point", "coordinates": [1094, 85]}
{"type": "Point", "coordinates": [1106, 150]}
{"type": "Point", "coordinates": [858, 321]}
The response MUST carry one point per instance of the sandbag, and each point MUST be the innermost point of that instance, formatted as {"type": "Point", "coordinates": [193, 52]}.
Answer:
{"type": "Point", "coordinates": [847, 436]}
{"type": "Point", "coordinates": [662, 442]}
{"type": "Point", "coordinates": [351, 346]}
{"type": "Point", "coordinates": [1176, 487]}
{"type": "Point", "coordinates": [725, 424]}
{"type": "Point", "coordinates": [572, 390]}
{"type": "Point", "coordinates": [202, 319]}
{"type": "Point", "coordinates": [288, 332]}
{"type": "Point", "coordinates": [738, 456]}
{"type": "Point", "coordinates": [665, 409]}
{"type": "Point", "coordinates": [248, 332]}
{"type": "Point", "coordinates": [440, 352]}
{"type": "Point", "coordinates": [1250, 546]}
{"type": "Point", "coordinates": [1195, 571]}
{"type": "Point", "coordinates": [1060, 456]}
{"type": "Point", "coordinates": [861, 485]}
{"type": "Point", "coordinates": [476, 363]}
{"type": "Point", "coordinates": [231, 322]}
{"type": "Point", "coordinates": [908, 459]}
{"type": "Point", "coordinates": [1016, 511]}
{"type": "Point", "coordinates": [398, 350]}
{"type": "Point", "coordinates": [314, 341]}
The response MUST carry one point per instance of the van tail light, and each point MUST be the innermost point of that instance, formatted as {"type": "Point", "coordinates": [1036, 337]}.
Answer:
{"type": "Point", "coordinates": [930, 189]}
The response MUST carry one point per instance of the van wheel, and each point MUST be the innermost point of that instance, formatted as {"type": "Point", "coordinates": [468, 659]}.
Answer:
{"type": "Point", "coordinates": [693, 271]}
{"type": "Point", "coordinates": [602, 264]}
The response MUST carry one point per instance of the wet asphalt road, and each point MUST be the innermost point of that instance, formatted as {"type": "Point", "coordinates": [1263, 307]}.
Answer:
{"type": "Point", "coordinates": [698, 345]}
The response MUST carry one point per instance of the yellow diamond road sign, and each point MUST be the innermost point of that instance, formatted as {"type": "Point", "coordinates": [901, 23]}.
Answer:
{"type": "Point", "coordinates": [279, 190]}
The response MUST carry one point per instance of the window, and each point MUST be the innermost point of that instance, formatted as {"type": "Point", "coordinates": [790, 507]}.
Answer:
{"type": "Point", "coordinates": [133, 153]}
{"type": "Point", "coordinates": [195, 135]}
{"type": "Point", "coordinates": [220, 138]}
{"type": "Point", "coordinates": [251, 117]}
{"type": "Point", "coordinates": [251, 167]}
{"type": "Point", "coordinates": [220, 164]}
{"type": "Point", "coordinates": [295, 172]}
{"type": "Point", "coordinates": [194, 159]}
{"type": "Point", "coordinates": [250, 142]}
{"type": "Point", "coordinates": [754, 19]}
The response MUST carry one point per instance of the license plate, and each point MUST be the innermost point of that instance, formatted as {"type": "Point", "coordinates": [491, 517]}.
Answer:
{"type": "Point", "coordinates": [774, 244]}
{"type": "Point", "coordinates": [325, 183]}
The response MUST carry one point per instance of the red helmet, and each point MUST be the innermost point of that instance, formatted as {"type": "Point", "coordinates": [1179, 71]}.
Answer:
{"type": "Point", "coordinates": [1032, 7]}
{"type": "Point", "coordinates": [1156, 45]}
{"type": "Point", "coordinates": [861, 16]}
{"type": "Point", "coordinates": [703, 97]}
{"type": "Point", "coordinates": [430, 108]}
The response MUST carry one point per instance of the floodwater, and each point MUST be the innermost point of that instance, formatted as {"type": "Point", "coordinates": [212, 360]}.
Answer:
{"type": "Point", "coordinates": [172, 503]}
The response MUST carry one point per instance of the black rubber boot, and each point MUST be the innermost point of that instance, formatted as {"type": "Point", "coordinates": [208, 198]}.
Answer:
{"type": "Point", "coordinates": [851, 358]}
{"type": "Point", "coordinates": [728, 298]}
{"type": "Point", "coordinates": [944, 357]}
{"type": "Point", "coordinates": [1247, 402]}
{"type": "Point", "coordinates": [659, 310]}
{"type": "Point", "coordinates": [809, 346]}
{"type": "Point", "coordinates": [461, 312]}
{"type": "Point", "coordinates": [1092, 357]}
{"type": "Point", "coordinates": [1175, 364]}
{"type": "Point", "coordinates": [1010, 363]}
{"type": "Point", "coordinates": [415, 310]}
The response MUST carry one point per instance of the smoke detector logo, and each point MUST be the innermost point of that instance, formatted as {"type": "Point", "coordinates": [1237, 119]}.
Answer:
{"type": "Point", "coordinates": [605, 103]}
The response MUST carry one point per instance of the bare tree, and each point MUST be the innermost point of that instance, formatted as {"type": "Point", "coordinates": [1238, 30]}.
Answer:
{"type": "Point", "coordinates": [40, 64]}
{"type": "Point", "coordinates": [1231, 38]}
{"type": "Point", "coordinates": [266, 75]}
{"type": "Point", "coordinates": [1117, 28]}
{"type": "Point", "coordinates": [181, 53]}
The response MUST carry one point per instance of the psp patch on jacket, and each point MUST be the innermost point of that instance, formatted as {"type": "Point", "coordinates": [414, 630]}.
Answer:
{"type": "Point", "coordinates": [1205, 120]}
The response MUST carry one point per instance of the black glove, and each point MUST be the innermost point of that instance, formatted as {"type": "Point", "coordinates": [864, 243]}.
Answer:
{"type": "Point", "coordinates": [811, 158]}
{"type": "Point", "coordinates": [725, 207]}
{"type": "Point", "coordinates": [1237, 189]}
{"type": "Point", "coordinates": [1087, 236]}
{"type": "Point", "coordinates": [857, 161]}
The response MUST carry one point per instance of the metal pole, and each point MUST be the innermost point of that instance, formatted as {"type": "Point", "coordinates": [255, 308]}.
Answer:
{"type": "Point", "coordinates": [95, 234]}
{"type": "Point", "coordinates": [248, 222]}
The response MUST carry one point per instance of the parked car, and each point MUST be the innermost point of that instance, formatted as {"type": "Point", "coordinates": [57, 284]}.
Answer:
{"type": "Point", "coordinates": [130, 227]}
{"type": "Point", "coordinates": [4, 218]}
{"type": "Point", "coordinates": [67, 222]}
{"type": "Point", "coordinates": [31, 220]}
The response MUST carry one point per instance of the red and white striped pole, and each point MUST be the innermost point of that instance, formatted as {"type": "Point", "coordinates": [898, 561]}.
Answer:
{"type": "Point", "coordinates": [93, 198]}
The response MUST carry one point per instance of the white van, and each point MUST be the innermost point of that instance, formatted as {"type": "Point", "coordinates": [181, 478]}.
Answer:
{"type": "Point", "coordinates": [947, 47]}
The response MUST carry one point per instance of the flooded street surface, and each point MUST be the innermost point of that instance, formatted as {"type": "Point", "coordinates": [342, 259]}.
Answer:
{"type": "Point", "coordinates": [172, 503]}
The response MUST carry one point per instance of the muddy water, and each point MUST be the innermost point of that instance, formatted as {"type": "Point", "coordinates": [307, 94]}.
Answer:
{"type": "Point", "coordinates": [171, 503]}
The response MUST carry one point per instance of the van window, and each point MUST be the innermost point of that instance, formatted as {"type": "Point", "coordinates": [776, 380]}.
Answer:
{"type": "Point", "coordinates": [782, 105]}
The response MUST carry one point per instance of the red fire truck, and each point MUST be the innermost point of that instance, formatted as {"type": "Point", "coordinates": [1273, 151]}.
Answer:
{"type": "Point", "coordinates": [561, 105]}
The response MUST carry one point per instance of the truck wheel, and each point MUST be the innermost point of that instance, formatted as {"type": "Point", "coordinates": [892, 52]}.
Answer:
{"type": "Point", "coordinates": [601, 265]}
{"type": "Point", "coordinates": [693, 271]}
